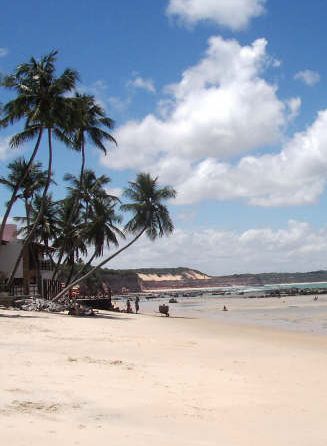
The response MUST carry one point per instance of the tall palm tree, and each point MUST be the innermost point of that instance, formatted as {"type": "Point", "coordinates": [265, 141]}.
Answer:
{"type": "Point", "coordinates": [149, 215]}
{"type": "Point", "coordinates": [89, 124]}
{"type": "Point", "coordinates": [41, 101]}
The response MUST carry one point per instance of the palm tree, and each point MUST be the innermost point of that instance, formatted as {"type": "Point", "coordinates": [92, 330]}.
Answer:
{"type": "Point", "coordinates": [101, 229]}
{"type": "Point", "coordinates": [82, 197]}
{"type": "Point", "coordinates": [70, 241]}
{"type": "Point", "coordinates": [149, 215]}
{"type": "Point", "coordinates": [46, 231]}
{"type": "Point", "coordinates": [30, 183]}
{"type": "Point", "coordinates": [89, 123]}
{"type": "Point", "coordinates": [92, 186]}
{"type": "Point", "coordinates": [41, 101]}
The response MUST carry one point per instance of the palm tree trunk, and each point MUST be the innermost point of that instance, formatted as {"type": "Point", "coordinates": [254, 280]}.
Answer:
{"type": "Point", "coordinates": [45, 191]}
{"type": "Point", "coordinates": [14, 192]}
{"type": "Point", "coordinates": [83, 165]}
{"type": "Point", "coordinates": [74, 208]}
{"type": "Point", "coordinates": [58, 265]}
{"type": "Point", "coordinates": [70, 275]}
{"type": "Point", "coordinates": [84, 267]}
{"type": "Point", "coordinates": [95, 268]}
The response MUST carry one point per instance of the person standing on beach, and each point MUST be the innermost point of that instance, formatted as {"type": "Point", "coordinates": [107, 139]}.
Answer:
{"type": "Point", "coordinates": [128, 306]}
{"type": "Point", "coordinates": [137, 306]}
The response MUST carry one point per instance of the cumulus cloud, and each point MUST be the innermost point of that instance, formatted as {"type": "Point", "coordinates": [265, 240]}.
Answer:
{"type": "Point", "coordinates": [221, 107]}
{"type": "Point", "coordinates": [309, 77]}
{"type": "Point", "coordinates": [297, 247]}
{"type": "Point", "coordinates": [294, 176]}
{"type": "Point", "coordinates": [234, 14]}
{"type": "Point", "coordinates": [143, 84]}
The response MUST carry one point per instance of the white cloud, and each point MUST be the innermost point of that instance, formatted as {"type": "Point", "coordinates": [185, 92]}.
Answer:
{"type": "Point", "coordinates": [298, 247]}
{"type": "Point", "coordinates": [309, 77]}
{"type": "Point", "coordinates": [294, 105]}
{"type": "Point", "coordinates": [115, 191]}
{"type": "Point", "coordinates": [295, 176]}
{"type": "Point", "coordinates": [4, 148]}
{"type": "Point", "coordinates": [119, 105]}
{"type": "Point", "coordinates": [3, 52]}
{"type": "Point", "coordinates": [234, 14]}
{"type": "Point", "coordinates": [143, 84]}
{"type": "Point", "coordinates": [221, 107]}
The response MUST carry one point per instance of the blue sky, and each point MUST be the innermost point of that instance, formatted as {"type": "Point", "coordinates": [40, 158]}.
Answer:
{"type": "Point", "coordinates": [221, 101]}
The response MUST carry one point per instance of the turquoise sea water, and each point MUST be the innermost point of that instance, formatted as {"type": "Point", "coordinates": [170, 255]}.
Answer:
{"type": "Point", "coordinates": [275, 286]}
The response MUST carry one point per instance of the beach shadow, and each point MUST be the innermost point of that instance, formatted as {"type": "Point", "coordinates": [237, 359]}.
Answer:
{"type": "Point", "coordinates": [112, 317]}
{"type": "Point", "coordinates": [15, 316]}
{"type": "Point", "coordinates": [170, 317]}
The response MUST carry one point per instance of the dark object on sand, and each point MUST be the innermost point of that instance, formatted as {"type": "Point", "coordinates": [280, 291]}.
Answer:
{"type": "Point", "coordinates": [164, 309]}
{"type": "Point", "coordinates": [137, 304]}
{"type": "Point", "coordinates": [173, 301]}
{"type": "Point", "coordinates": [128, 306]}
{"type": "Point", "coordinates": [101, 303]}
{"type": "Point", "coordinates": [225, 308]}
{"type": "Point", "coordinates": [80, 310]}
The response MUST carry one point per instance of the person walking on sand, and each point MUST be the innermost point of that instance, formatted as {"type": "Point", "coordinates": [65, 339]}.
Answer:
{"type": "Point", "coordinates": [137, 305]}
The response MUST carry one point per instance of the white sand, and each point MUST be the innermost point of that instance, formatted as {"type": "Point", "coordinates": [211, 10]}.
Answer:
{"type": "Point", "coordinates": [142, 380]}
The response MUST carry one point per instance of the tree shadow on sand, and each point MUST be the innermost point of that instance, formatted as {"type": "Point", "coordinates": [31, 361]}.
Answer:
{"type": "Point", "coordinates": [15, 316]}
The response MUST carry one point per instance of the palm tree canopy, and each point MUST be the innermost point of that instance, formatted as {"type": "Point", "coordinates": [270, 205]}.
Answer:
{"type": "Point", "coordinates": [147, 208]}
{"type": "Point", "coordinates": [89, 122]}
{"type": "Point", "coordinates": [41, 98]}
{"type": "Point", "coordinates": [71, 230]}
{"type": "Point", "coordinates": [92, 186]}
{"type": "Point", "coordinates": [96, 208]}
{"type": "Point", "coordinates": [101, 229]}
{"type": "Point", "coordinates": [47, 226]}
{"type": "Point", "coordinates": [30, 183]}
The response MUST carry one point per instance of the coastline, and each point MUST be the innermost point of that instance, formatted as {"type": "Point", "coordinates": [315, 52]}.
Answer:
{"type": "Point", "coordinates": [128, 379]}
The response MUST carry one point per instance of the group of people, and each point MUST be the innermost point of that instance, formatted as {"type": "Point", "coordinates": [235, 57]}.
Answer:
{"type": "Point", "coordinates": [136, 305]}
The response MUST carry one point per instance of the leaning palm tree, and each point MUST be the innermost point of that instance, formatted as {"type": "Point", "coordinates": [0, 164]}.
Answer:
{"type": "Point", "coordinates": [42, 103]}
{"type": "Point", "coordinates": [149, 215]}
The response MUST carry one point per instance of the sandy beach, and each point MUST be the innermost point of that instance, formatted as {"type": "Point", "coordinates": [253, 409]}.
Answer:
{"type": "Point", "coordinates": [137, 379]}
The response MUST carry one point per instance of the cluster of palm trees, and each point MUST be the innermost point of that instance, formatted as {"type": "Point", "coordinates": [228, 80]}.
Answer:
{"type": "Point", "coordinates": [88, 219]}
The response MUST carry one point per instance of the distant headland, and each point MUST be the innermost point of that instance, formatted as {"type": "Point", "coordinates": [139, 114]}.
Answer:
{"type": "Point", "coordinates": [150, 279]}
